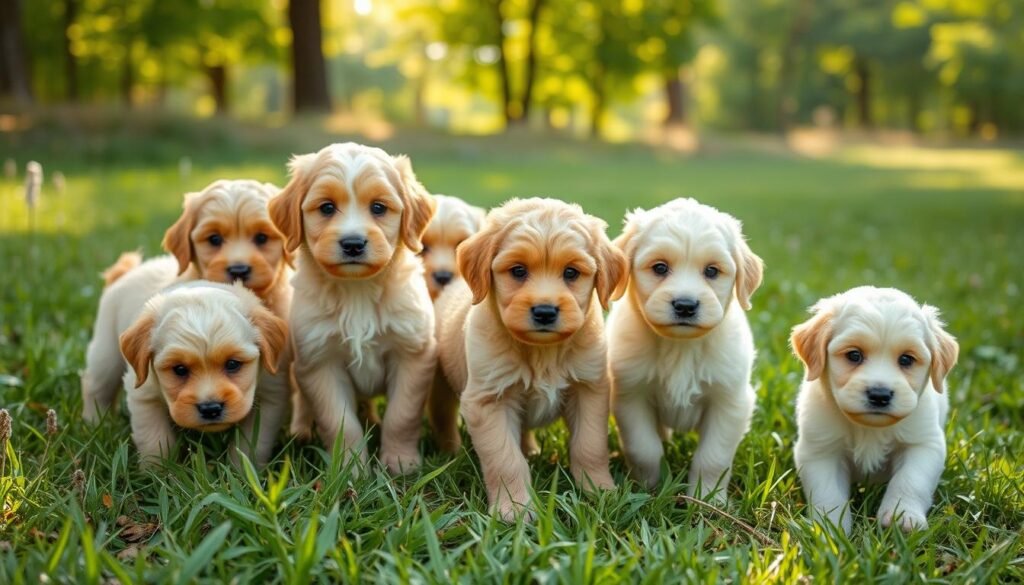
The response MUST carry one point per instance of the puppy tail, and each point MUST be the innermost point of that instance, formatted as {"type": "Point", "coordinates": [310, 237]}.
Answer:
{"type": "Point", "coordinates": [124, 265]}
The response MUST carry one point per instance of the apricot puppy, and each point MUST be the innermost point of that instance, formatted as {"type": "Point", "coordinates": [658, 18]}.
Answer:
{"type": "Point", "coordinates": [872, 403]}
{"type": "Point", "coordinates": [522, 341]}
{"type": "Point", "coordinates": [680, 348]}
{"type": "Point", "coordinates": [194, 354]}
{"type": "Point", "coordinates": [361, 321]}
{"type": "Point", "coordinates": [454, 221]}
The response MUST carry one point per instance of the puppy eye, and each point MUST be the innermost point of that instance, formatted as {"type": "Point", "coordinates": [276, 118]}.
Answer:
{"type": "Point", "coordinates": [518, 272]}
{"type": "Point", "coordinates": [660, 268]}
{"type": "Point", "coordinates": [232, 366]}
{"type": "Point", "coordinates": [215, 240]}
{"type": "Point", "coordinates": [570, 274]}
{"type": "Point", "coordinates": [180, 371]}
{"type": "Point", "coordinates": [327, 209]}
{"type": "Point", "coordinates": [854, 356]}
{"type": "Point", "coordinates": [906, 360]}
{"type": "Point", "coordinates": [261, 239]}
{"type": "Point", "coordinates": [378, 208]}
{"type": "Point", "coordinates": [711, 272]}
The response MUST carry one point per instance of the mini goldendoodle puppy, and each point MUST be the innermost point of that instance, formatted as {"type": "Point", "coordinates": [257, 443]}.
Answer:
{"type": "Point", "coordinates": [453, 223]}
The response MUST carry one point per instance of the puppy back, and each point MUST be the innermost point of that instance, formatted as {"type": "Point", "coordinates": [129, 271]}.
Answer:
{"type": "Point", "coordinates": [124, 264]}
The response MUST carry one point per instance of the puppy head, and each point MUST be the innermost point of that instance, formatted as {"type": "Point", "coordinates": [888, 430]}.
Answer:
{"type": "Point", "coordinates": [454, 222]}
{"type": "Point", "coordinates": [541, 261]}
{"type": "Point", "coordinates": [226, 232]}
{"type": "Point", "coordinates": [688, 262]}
{"type": "Point", "coordinates": [876, 350]}
{"type": "Point", "coordinates": [353, 207]}
{"type": "Point", "coordinates": [204, 342]}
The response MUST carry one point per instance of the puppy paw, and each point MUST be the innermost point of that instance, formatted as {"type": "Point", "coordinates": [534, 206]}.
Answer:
{"type": "Point", "coordinates": [401, 462]}
{"type": "Point", "coordinates": [529, 445]}
{"type": "Point", "coordinates": [509, 511]}
{"type": "Point", "coordinates": [595, 481]}
{"type": "Point", "coordinates": [909, 520]}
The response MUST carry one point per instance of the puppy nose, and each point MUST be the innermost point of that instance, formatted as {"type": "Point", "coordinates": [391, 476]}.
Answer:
{"type": "Point", "coordinates": [443, 277]}
{"type": "Point", "coordinates": [210, 410]}
{"type": "Point", "coordinates": [353, 245]}
{"type": "Point", "coordinates": [685, 307]}
{"type": "Point", "coordinates": [544, 314]}
{"type": "Point", "coordinates": [879, 396]}
{"type": "Point", "coordinates": [239, 271]}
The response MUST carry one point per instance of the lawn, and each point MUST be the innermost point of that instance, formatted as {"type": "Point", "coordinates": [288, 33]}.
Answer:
{"type": "Point", "coordinates": [945, 225]}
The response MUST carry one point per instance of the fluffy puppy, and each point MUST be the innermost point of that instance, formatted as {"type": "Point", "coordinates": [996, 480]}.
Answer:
{"type": "Point", "coordinates": [194, 354]}
{"type": "Point", "coordinates": [680, 348]}
{"type": "Point", "coordinates": [224, 234]}
{"type": "Point", "coordinates": [454, 221]}
{"type": "Point", "coordinates": [872, 403]}
{"type": "Point", "coordinates": [522, 341]}
{"type": "Point", "coordinates": [361, 321]}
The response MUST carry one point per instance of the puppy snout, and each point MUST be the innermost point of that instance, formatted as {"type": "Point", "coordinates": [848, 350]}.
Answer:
{"type": "Point", "coordinates": [879, 396]}
{"type": "Point", "coordinates": [544, 314]}
{"type": "Point", "coordinates": [210, 411]}
{"type": "Point", "coordinates": [443, 277]}
{"type": "Point", "coordinates": [685, 307]}
{"type": "Point", "coordinates": [239, 271]}
{"type": "Point", "coordinates": [353, 246]}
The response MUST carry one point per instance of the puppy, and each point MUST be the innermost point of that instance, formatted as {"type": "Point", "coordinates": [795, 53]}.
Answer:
{"type": "Point", "coordinates": [872, 403]}
{"type": "Point", "coordinates": [454, 221]}
{"type": "Point", "coordinates": [194, 354]}
{"type": "Point", "coordinates": [522, 341]}
{"type": "Point", "coordinates": [361, 321]}
{"type": "Point", "coordinates": [680, 348]}
{"type": "Point", "coordinates": [224, 235]}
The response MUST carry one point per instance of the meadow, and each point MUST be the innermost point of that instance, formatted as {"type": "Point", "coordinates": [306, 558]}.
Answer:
{"type": "Point", "coordinates": [944, 224]}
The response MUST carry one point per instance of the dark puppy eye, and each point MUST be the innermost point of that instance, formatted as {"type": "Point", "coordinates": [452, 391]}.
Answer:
{"type": "Point", "coordinates": [215, 240]}
{"type": "Point", "coordinates": [261, 239]}
{"type": "Point", "coordinates": [378, 208]}
{"type": "Point", "coordinates": [906, 360]}
{"type": "Point", "coordinates": [660, 268]}
{"type": "Point", "coordinates": [180, 371]}
{"type": "Point", "coordinates": [518, 272]}
{"type": "Point", "coordinates": [854, 356]}
{"type": "Point", "coordinates": [327, 209]}
{"type": "Point", "coordinates": [232, 366]}
{"type": "Point", "coordinates": [570, 274]}
{"type": "Point", "coordinates": [711, 272]}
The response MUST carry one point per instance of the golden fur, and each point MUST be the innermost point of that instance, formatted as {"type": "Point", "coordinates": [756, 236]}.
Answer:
{"type": "Point", "coordinates": [453, 223]}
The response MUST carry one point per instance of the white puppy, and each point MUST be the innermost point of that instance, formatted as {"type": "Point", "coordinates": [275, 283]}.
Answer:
{"type": "Point", "coordinates": [680, 348]}
{"type": "Point", "coordinates": [872, 404]}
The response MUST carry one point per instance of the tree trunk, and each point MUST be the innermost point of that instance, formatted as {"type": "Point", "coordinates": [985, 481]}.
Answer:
{"type": "Point", "coordinates": [309, 70]}
{"type": "Point", "coordinates": [787, 101]}
{"type": "Point", "coordinates": [675, 96]}
{"type": "Point", "coordinates": [218, 76]}
{"type": "Point", "coordinates": [864, 116]}
{"type": "Point", "coordinates": [506, 82]}
{"type": "Point", "coordinates": [531, 61]}
{"type": "Point", "coordinates": [15, 74]}
{"type": "Point", "coordinates": [596, 115]}
{"type": "Point", "coordinates": [70, 61]}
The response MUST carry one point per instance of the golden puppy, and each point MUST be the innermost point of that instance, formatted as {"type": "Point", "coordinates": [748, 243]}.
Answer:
{"type": "Point", "coordinates": [522, 342]}
{"type": "Point", "coordinates": [194, 354]}
{"type": "Point", "coordinates": [361, 321]}
{"type": "Point", "coordinates": [224, 234]}
{"type": "Point", "coordinates": [872, 403]}
{"type": "Point", "coordinates": [680, 348]}
{"type": "Point", "coordinates": [454, 221]}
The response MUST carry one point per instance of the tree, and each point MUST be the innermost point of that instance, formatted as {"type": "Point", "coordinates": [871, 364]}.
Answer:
{"type": "Point", "coordinates": [15, 75]}
{"type": "Point", "coordinates": [309, 70]}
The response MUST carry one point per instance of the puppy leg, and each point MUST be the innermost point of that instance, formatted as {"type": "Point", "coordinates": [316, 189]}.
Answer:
{"type": "Point", "coordinates": [330, 394]}
{"type": "Point", "coordinates": [152, 431]}
{"type": "Point", "coordinates": [722, 427]}
{"type": "Point", "coordinates": [826, 481]}
{"type": "Point", "coordinates": [443, 412]}
{"type": "Point", "coordinates": [586, 416]}
{"type": "Point", "coordinates": [916, 473]}
{"type": "Point", "coordinates": [301, 425]}
{"type": "Point", "coordinates": [639, 434]}
{"type": "Point", "coordinates": [529, 444]}
{"type": "Point", "coordinates": [272, 393]}
{"type": "Point", "coordinates": [104, 367]}
{"type": "Point", "coordinates": [495, 428]}
{"type": "Point", "coordinates": [408, 387]}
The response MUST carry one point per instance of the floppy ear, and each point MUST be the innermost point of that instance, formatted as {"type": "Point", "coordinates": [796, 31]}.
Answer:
{"type": "Point", "coordinates": [810, 340]}
{"type": "Point", "coordinates": [945, 350]}
{"type": "Point", "coordinates": [136, 347]}
{"type": "Point", "coordinates": [612, 267]}
{"type": "Point", "coordinates": [419, 205]}
{"type": "Point", "coordinates": [474, 256]}
{"type": "Point", "coordinates": [178, 237]}
{"type": "Point", "coordinates": [285, 209]}
{"type": "Point", "coordinates": [749, 266]}
{"type": "Point", "coordinates": [625, 241]}
{"type": "Point", "coordinates": [273, 336]}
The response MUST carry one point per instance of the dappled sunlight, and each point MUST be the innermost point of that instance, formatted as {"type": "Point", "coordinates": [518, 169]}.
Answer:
{"type": "Point", "coordinates": [943, 168]}
{"type": "Point", "coordinates": [368, 125]}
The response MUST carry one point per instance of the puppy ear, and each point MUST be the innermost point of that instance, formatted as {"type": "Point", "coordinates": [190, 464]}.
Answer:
{"type": "Point", "coordinates": [136, 346]}
{"type": "Point", "coordinates": [419, 205]}
{"type": "Point", "coordinates": [612, 267]}
{"type": "Point", "coordinates": [625, 241]}
{"type": "Point", "coordinates": [945, 350]}
{"type": "Point", "coordinates": [749, 268]}
{"type": "Point", "coordinates": [474, 256]}
{"type": "Point", "coordinates": [810, 340]}
{"type": "Point", "coordinates": [178, 237]}
{"type": "Point", "coordinates": [285, 208]}
{"type": "Point", "coordinates": [273, 336]}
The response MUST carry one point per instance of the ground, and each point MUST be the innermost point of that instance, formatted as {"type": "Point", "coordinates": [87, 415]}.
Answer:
{"type": "Point", "coordinates": [943, 224]}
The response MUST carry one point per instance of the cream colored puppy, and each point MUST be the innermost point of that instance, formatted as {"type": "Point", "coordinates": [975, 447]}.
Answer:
{"type": "Point", "coordinates": [872, 403]}
{"type": "Point", "coordinates": [362, 323]}
{"type": "Point", "coordinates": [680, 348]}
{"type": "Point", "coordinates": [195, 353]}
{"type": "Point", "coordinates": [522, 341]}
{"type": "Point", "coordinates": [453, 223]}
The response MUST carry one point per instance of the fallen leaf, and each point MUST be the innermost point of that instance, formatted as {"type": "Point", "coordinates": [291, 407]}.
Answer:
{"type": "Point", "coordinates": [133, 531]}
{"type": "Point", "coordinates": [129, 553]}
{"type": "Point", "coordinates": [108, 502]}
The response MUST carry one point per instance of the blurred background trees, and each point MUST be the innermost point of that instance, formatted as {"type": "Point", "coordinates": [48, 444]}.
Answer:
{"type": "Point", "coordinates": [608, 68]}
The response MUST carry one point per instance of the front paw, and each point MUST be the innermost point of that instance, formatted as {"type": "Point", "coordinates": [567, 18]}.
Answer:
{"type": "Point", "coordinates": [909, 520]}
{"type": "Point", "coordinates": [508, 511]}
{"type": "Point", "coordinates": [711, 494]}
{"type": "Point", "coordinates": [401, 462]}
{"type": "Point", "coordinates": [594, 481]}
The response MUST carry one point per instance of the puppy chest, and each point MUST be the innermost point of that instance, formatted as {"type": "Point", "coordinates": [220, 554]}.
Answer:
{"type": "Point", "coordinates": [679, 416]}
{"type": "Point", "coordinates": [542, 407]}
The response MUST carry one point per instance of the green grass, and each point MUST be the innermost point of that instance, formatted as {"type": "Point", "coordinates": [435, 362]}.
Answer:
{"type": "Point", "coordinates": [946, 226]}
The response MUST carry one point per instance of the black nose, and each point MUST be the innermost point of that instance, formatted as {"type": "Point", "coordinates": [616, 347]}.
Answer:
{"type": "Point", "coordinates": [242, 271]}
{"type": "Point", "coordinates": [443, 277]}
{"type": "Point", "coordinates": [879, 396]}
{"type": "Point", "coordinates": [685, 307]}
{"type": "Point", "coordinates": [210, 410]}
{"type": "Point", "coordinates": [353, 245]}
{"type": "Point", "coordinates": [544, 314]}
